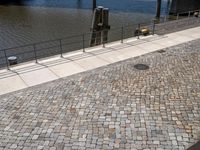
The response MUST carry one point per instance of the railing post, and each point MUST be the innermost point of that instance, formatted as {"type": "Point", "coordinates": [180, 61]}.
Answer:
{"type": "Point", "coordinates": [7, 65]}
{"type": "Point", "coordinates": [34, 49]}
{"type": "Point", "coordinates": [189, 14]}
{"type": "Point", "coordinates": [188, 17]}
{"type": "Point", "coordinates": [102, 38]}
{"type": "Point", "coordinates": [61, 49]}
{"type": "Point", "coordinates": [122, 34]}
{"type": "Point", "coordinates": [165, 18]}
{"type": "Point", "coordinates": [198, 16]}
{"type": "Point", "coordinates": [83, 40]}
{"type": "Point", "coordinates": [138, 31]}
{"type": "Point", "coordinates": [177, 16]}
{"type": "Point", "coordinates": [154, 24]}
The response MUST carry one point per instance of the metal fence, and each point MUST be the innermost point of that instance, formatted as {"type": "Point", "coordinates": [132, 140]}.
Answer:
{"type": "Point", "coordinates": [44, 49]}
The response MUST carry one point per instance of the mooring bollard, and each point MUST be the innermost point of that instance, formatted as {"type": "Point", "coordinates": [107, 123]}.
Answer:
{"type": "Point", "coordinates": [12, 60]}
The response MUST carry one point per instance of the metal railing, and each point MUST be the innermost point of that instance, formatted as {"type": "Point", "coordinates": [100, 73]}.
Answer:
{"type": "Point", "coordinates": [44, 49]}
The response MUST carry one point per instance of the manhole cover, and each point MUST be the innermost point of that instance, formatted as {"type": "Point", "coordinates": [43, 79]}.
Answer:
{"type": "Point", "coordinates": [161, 51]}
{"type": "Point", "coordinates": [141, 67]}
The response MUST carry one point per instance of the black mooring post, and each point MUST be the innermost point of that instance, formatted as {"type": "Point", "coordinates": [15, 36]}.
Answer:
{"type": "Point", "coordinates": [94, 5]}
{"type": "Point", "coordinates": [158, 8]}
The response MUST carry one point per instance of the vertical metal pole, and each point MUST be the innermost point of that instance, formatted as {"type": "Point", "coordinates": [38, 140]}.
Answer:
{"type": "Point", "coordinates": [165, 18]}
{"type": "Point", "coordinates": [198, 16]}
{"type": "Point", "coordinates": [138, 31]}
{"type": "Point", "coordinates": [102, 36]}
{"type": "Point", "coordinates": [6, 59]}
{"type": "Point", "coordinates": [83, 39]}
{"type": "Point", "coordinates": [177, 16]}
{"type": "Point", "coordinates": [34, 49]}
{"type": "Point", "coordinates": [122, 34]}
{"type": "Point", "coordinates": [154, 24]}
{"type": "Point", "coordinates": [189, 14]}
{"type": "Point", "coordinates": [188, 18]}
{"type": "Point", "coordinates": [61, 49]}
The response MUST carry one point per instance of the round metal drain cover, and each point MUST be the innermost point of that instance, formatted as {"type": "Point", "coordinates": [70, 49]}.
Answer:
{"type": "Point", "coordinates": [141, 66]}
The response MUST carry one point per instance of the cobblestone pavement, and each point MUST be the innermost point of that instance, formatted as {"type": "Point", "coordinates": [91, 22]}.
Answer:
{"type": "Point", "coordinates": [113, 107]}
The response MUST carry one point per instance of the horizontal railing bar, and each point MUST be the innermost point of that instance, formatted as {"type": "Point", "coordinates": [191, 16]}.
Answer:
{"type": "Point", "coordinates": [19, 53]}
{"type": "Point", "coordinates": [47, 48]}
{"type": "Point", "coordinates": [72, 43]}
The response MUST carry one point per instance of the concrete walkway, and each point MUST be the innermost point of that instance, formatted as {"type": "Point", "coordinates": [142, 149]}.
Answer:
{"type": "Point", "coordinates": [30, 74]}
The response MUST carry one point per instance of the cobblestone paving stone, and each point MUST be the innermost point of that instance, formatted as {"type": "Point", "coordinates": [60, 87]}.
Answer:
{"type": "Point", "coordinates": [112, 107]}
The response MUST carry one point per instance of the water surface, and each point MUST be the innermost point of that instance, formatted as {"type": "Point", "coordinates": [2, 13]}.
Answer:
{"type": "Point", "coordinates": [31, 21]}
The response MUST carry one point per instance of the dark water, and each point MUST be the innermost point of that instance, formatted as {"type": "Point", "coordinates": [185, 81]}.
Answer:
{"type": "Point", "coordinates": [139, 6]}
{"type": "Point", "coordinates": [30, 21]}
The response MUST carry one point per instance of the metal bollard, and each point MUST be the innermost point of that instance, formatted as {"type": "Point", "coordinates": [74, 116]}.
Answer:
{"type": "Point", "coordinates": [12, 60]}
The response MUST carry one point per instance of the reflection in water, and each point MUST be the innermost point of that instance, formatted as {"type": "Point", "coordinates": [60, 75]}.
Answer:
{"type": "Point", "coordinates": [139, 6]}
{"type": "Point", "coordinates": [79, 4]}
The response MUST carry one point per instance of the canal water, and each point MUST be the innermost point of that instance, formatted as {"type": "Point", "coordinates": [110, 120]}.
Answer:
{"type": "Point", "coordinates": [30, 21]}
